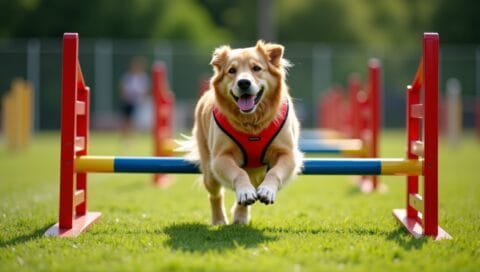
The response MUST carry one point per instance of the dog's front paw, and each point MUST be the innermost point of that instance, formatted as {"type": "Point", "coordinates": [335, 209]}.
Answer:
{"type": "Point", "coordinates": [246, 196]}
{"type": "Point", "coordinates": [266, 194]}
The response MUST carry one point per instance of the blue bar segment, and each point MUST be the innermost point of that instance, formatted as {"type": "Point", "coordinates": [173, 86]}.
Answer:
{"type": "Point", "coordinates": [312, 166]}
{"type": "Point", "coordinates": [176, 165]}
{"type": "Point", "coordinates": [342, 166]}
{"type": "Point", "coordinates": [309, 147]}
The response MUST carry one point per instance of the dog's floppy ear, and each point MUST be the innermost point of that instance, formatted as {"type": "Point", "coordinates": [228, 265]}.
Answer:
{"type": "Point", "coordinates": [219, 57]}
{"type": "Point", "coordinates": [273, 51]}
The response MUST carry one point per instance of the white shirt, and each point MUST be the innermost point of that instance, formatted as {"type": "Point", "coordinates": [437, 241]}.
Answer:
{"type": "Point", "coordinates": [134, 87]}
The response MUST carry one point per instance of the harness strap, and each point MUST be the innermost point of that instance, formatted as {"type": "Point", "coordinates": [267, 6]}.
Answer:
{"type": "Point", "coordinates": [253, 146]}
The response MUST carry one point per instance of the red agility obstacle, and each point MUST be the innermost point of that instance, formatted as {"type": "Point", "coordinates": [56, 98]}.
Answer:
{"type": "Point", "coordinates": [356, 116]}
{"type": "Point", "coordinates": [73, 215]}
{"type": "Point", "coordinates": [420, 216]}
{"type": "Point", "coordinates": [163, 108]}
{"type": "Point", "coordinates": [367, 123]}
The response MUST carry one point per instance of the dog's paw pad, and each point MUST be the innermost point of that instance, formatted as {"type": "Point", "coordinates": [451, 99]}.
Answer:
{"type": "Point", "coordinates": [246, 196]}
{"type": "Point", "coordinates": [266, 194]}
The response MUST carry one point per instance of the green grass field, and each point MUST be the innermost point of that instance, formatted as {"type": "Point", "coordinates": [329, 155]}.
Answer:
{"type": "Point", "coordinates": [318, 223]}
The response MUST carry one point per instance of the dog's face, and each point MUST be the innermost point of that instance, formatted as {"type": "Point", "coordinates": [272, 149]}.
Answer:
{"type": "Point", "coordinates": [249, 78]}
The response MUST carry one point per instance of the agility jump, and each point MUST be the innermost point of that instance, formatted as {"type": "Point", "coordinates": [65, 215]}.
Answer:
{"type": "Point", "coordinates": [420, 216]}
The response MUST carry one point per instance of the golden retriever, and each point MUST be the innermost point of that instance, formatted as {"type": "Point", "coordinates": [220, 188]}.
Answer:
{"type": "Point", "coordinates": [248, 97]}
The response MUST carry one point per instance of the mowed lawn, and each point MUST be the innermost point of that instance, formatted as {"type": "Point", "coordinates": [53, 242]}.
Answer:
{"type": "Point", "coordinates": [318, 223]}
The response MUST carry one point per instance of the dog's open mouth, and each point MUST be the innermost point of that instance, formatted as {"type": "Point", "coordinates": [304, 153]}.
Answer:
{"type": "Point", "coordinates": [246, 103]}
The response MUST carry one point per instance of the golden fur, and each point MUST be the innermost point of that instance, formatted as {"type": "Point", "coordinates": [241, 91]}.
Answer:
{"type": "Point", "coordinates": [219, 157]}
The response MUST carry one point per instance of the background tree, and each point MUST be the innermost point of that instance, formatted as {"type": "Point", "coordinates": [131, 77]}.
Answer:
{"type": "Point", "coordinates": [364, 22]}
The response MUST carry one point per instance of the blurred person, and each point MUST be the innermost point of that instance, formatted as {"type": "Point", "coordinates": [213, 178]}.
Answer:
{"type": "Point", "coordinates": [134, 87]}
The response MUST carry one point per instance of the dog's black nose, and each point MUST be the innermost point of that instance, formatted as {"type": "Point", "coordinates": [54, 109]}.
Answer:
{"type": "Point", "coordinates": [244, 84]}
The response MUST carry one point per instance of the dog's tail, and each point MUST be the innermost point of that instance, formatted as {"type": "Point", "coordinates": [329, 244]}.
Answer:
{"type": "Point", "coordinates": [188, 145]}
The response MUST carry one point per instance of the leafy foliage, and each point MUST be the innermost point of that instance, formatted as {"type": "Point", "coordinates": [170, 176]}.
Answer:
{"type": "Point", "coordinates": [338, 21]}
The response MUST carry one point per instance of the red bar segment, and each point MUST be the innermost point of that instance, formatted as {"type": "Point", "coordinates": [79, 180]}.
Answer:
{"type": "Point", "coordinates": [375, 85]}
{"type": "Point", "coordinates": [83, 123]}
{"type": "Point", "coordinates": [68, 123]}
{"type": "Point", "coordinates": [413, 134]}
{"type": "Point", "coordinates": [430, 137]}
{"type": "Point", "coordinates": [163, 118]}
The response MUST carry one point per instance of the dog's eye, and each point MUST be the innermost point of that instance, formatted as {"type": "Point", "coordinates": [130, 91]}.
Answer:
{"type": "Point", "coordinates": [232, 70]}
{"type": "Point", "coordinates": [256, 68]}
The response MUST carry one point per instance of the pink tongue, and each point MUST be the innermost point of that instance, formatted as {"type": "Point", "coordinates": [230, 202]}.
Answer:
{"type": "Point", "coordinates": [246, 102]}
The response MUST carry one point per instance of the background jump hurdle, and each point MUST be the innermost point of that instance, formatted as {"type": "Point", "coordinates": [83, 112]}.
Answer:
{"type": "Point", "coordinates": [163, 116]}
{"type": "Point", "coordinates": [354, 117]}
{"type": "Point", "coordinates": [17, 115]}
{"type": "Point", "coordinates": [357, 127]}
{"type": "Point", "coordinates": [421, 154]}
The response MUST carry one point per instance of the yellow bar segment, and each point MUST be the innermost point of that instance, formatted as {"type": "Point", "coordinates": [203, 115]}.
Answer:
{"type": "Point", "coordinates": [402, 167]}
{"type": "Point", "coordinates": [94, 164]}
{"type": "Point", "coordinates": [354, 152]}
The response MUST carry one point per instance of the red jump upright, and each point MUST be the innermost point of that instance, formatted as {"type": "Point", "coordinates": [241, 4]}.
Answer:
{"type": "Point", "coordinates": [163, 115]}
{"type": "Point", "coordinates": [73, 215]}
{"type": "Point", "coordinates": [421, 214]}
{"type": "Point", "coordinates": [368, 122]}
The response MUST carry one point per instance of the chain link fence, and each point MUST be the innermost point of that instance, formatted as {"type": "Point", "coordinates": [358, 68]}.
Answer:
{"type": "Point", "coordinates": [316, 67]}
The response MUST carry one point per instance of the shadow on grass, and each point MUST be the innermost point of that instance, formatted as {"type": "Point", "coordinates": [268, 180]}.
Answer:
{"type": "Point", "coordinates": [405, 240]}
{"type": "Point", "coordinates": [399, 235]}
{"type": "Point", "coordinates": [354, 190]}
{"type": "Point", "coordinates": [357, 231]}
{"type": "Point", "coordinates": [36, 234]}
{"type": "Point", "coordinates": [193, 237]}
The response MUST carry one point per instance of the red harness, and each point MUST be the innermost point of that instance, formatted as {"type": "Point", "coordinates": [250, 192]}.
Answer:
{"type": "Point", "coordinates": [255, 146]}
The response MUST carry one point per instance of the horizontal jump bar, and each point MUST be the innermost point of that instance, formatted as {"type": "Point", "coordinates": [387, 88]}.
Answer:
{"type": "Point", "coordinates": [332, 146]}
{"type": "Point", "coordinates": [311, 166]}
